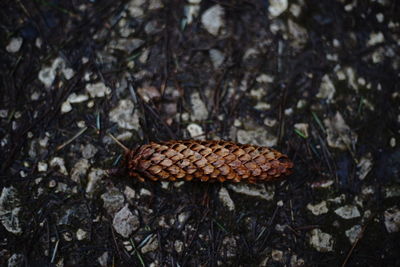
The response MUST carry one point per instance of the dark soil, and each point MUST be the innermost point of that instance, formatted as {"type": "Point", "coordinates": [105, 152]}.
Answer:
{"type": "Point", "coordinates": [94, 39]}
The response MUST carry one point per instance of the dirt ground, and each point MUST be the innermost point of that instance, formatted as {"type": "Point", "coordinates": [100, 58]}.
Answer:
{"type": "Point", "coordinates": [318, 80]}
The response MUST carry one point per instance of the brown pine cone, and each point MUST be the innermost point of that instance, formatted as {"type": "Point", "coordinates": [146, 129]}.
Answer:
{"type": "Point", "coordinates": [207, 161]}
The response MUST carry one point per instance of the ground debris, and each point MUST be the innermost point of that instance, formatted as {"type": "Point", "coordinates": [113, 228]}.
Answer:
{"type": "Point", "coordinates": [125, 222]}
{"type": "Point", "coordinates": [10, 209]}
{"type": "Point", "coordinates": [322, 242]}
{"type": "Point", "coordinates": [339, 133]}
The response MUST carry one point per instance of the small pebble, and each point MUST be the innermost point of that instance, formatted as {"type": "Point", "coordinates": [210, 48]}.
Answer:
{"type": "Point", "coordinates": [213, 19]}
{"type": "Point", "coordinates": [14, 45]}
{"type": "Point", "coordinates": [348, 212]}
{"type": "Point", "coordinates": [319, 208]}
{"type": "Point", "coordinates": [42, 166]}
{"type": "Point", "coordinates": [322, 242]}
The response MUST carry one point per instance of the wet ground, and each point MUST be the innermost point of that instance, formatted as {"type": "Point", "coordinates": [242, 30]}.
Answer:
{"type": "Point", "coordinates": [318, 80]}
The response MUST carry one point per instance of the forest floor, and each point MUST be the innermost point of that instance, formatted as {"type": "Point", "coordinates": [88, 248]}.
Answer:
{"type": "Point", "coordinates": [317, 80]}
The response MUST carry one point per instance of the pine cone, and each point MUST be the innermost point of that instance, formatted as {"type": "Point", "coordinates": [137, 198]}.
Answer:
{"type": "Point", "coordinates": [207, 161]}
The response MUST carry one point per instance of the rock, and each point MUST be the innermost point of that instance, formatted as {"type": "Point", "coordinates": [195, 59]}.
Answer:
{"type": "Point", "coordinates": [128, 246]}
{"type": "Point", "coordinates": [129, 45]}
{"type": "Point", "coordinates": [375, 38]}
{"type": "Point", "coordinates": [270, 122]}
{"type": "Point", "coordinates": [66, 107]}
{"type": "Point", "coordinates": [302, 128]}
{"type": "Point", "coordinates": [153, 27]}
{"type": "Point", "coordinates": [262, 106]}
{"type": "Point", "coordinates": [124, 115]}
{"type": "Point", "coordinates": [183, 217]}
{"type": "Point", "coordinates": [178, 245]}
{"type": "Point", "coordinates": [295, 10]}
{"type": "Point", "coordinates": [322, 184]}
{"type": "Point", "coordinates": [155, 4]}
{"type": "Point", "coordinates": [321, 241]}
{"type": "Point", "coordinates": [151, 245]}
{"type": "Point", "coordinates": [16, 260]}
{"type": "Point", "coordinates": [265, 78]}
{"type": "Point", "coordinates": [97, 89]}
{"type": "Point", "coordinates": [230, 246]}
{"type": "Point", "coordinates": [195, 131]}
{"type": "Point", "coordinates": [298, 35]}
{"type": "Point", "coordinates": [47, 76]}
{"type": "Point", "coordinates": [392, 191]}
{"type": "Point", "coordinates": [10, 208]}
{"type": "Point", "coordinates": [276, 255]}
{"type": "Point", "coordinates": [191, 12]}
{"type": "Point", "coordinates": [103, 259]}
{"type": "Point", "coordinates": [59, 162]}
{"type": "Point", "coordinates": [392, 219]}
{"type": "Point", "coordinates": [353, 233]}
{"type": "Point", "coordinates": [327, 89]}
{"type": "Point", "coordinates": [212, 19]}
{"type": "Point", "coordinates": [364, 166]}
{"type": "Point", "coordinates": [199, 109]}
{"type": "Point", "coordinates": [67, 236]}
{"type": "Point", "coordinates": [125, 222]}
{"type": "Point", "coordinates": [134, 8]}
{"type": "Point", "coordinates": [89, 151]}
{"type": "Point", "coordinates": [226, 199]}
{"type": "Point", "coordinates": [338, 200]}
{"type": "Point", "coordinates": [258, 136]}
{"type": "Point", "coordinates": [319, 208]}
{"type": "Point", "coordinates": [217, 57]}
{"type": "Point", "coordinates": [339, 133]}
{"type": "Point", "coordinates": [254, 190]}
{"type": "Point", "coordinates": [129, 193]}
{"type": "Point", "coordinates": [94, 178]}
{"type": "Point", "coordinates": [81, 234]}
{"type": "Point", "coordinates": [277, 7]}
{"type": "Point", "coordinates": [79, 170]}
{"type": "Point", "coordinates": [68, 73]}
{"type": "Point", "coordinates": [74, 98]}
{"type": "Point", "coordinates": [348, 212]}
{"type": "Point", "coordinates": [258, 93]}
{"type": "Point", "coordinates": [42, 166]}
{"type": "Point", "coordinates": [145, 192]}
{"type": "Point", "coordinates": [14, 45]}
{"type": "Point", "coordinates": [296, 262]}
{"type": "Point", "coordinates": [148, 93]}
{"type": "Point", "coordinates": [77, 212]}
{"type": "Point", "coordinates": [113, 200]}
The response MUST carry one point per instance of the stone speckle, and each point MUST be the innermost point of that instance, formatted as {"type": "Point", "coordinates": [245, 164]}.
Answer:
{"type": "Point", "coordinates": [348, 212]}
{"type": "Point", "coordinates": [14, 45]}
{"type": "Point", "coordinates": [353, 233]}
{"type": "Point", "coordinates": [10, 208]}
{"type": "Point", "coordinates": [277, 7]}
{"type": "Point", "coordinates": [339, 133]}
{"type": "Point", "coordinates": [113, 200]}
{"type": "Point", "coordinates": [94, 177]}
{"type": "Point", "coordinates": [322, 242]}
{"type": "Point", "coordinates": [392, 219]}
{"type": "Point", "coordinates": [199, 109]}
{"type": "Point", "coordinates": [212, 19]}
{"type": "Point", "coordinates": [226, 199]}
{"type": "Point", "coordinates": [254, 190]}
{"type": "Point", "coordinates": [125, 116]}
{"type": "Point", "coordinates": [195, 131]}
{"type": "Point", "coordinates": [151, 245]}
{"type": "Point", "coordinates": [97, 89]}
{"type": "Point", "coordinates": [125, 222]}
{"type": "Point", "coordinates": [319, 208]}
